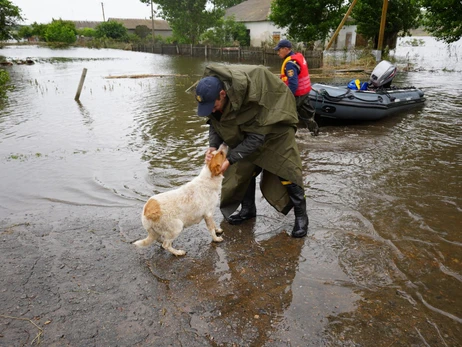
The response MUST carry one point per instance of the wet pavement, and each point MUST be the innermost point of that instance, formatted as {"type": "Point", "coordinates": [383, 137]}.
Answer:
{"type": "Point", "coordinates": [76, 275]}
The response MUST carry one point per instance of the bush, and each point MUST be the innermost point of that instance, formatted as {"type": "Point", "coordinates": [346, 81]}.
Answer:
{"type": "Point", "coordinates": [25, 32]}
{"type": "Point", "coordinates": [39, 30]}
{"type": "Point", "coordinates": [4, 87]}
{"type": "Point", "coordinates": [61, 31]}
{"type": "Point", "coordinates": [86, 32]}
{"type": "Point", "coordinates": [142, 31]}
{"type": "Point", "coordinates": [112, 30]}
{"type": "Point", "coordinates": [227, 32]}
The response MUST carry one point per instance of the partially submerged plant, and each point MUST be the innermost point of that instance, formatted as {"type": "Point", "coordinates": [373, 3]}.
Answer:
{"type": "Point", "coordinates": [4, 86]}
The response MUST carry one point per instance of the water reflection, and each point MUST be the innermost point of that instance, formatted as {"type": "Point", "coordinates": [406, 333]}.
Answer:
{"type": "Point", "coordinates": [245, 297]}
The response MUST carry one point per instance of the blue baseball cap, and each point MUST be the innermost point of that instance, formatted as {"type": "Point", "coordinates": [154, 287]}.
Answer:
{"type": "Point", "coordinates": [207, 92]}
{"type": "Point", "coordinates": [283, 43]}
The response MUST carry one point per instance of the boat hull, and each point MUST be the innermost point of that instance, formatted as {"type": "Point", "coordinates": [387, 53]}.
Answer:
{"type": "Point", "coordinates": [362, 105]}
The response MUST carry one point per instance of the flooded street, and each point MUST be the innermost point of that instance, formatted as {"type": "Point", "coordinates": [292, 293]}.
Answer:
{"type": "Point", "coordinates": [381, 266]}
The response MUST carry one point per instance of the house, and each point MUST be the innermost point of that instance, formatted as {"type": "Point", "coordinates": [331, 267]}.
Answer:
{"type": "Point", "coordinates": [347, 37]}
{"type": "Point", "coordinates": [254, 14]}
{"type": "Point", "coordinates": [85, 24]}
{"type": "Point", "coordinates": [161, 27]}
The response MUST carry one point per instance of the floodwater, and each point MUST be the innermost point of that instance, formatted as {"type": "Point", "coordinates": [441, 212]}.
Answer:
{"type": "Point", "coordinates": [382, 264]}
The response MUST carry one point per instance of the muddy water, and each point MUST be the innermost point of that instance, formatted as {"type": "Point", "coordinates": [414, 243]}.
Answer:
{"type": "Point", "coordinates": [382, 264]}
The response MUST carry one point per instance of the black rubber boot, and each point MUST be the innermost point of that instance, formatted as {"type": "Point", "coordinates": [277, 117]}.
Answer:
{"type": "Point", "coordinates": [248, 209]}
{"type": "Point", "coordinates": [297, 196]}
{"type": "Point", "coordinates": [306, 112]}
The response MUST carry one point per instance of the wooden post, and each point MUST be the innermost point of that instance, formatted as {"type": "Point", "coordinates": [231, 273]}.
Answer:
{"type": "Point", "coordinates": [382, 29]}
{"type": "Point", "coordinates": [345, 17]}
{"type": "Point", "coordinates": [102, 6]}
{"type": "Point", "coordinates": [82, 79]}
{"type": "Point", "coordinates": [152, 24]}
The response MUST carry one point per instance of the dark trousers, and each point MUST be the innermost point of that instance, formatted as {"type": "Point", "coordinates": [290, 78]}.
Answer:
{"type": "Point", "coordinates": [306, 113]}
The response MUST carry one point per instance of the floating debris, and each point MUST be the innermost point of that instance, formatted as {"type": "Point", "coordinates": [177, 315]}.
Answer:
{"type": "Point", "coordinates": [149, 75]}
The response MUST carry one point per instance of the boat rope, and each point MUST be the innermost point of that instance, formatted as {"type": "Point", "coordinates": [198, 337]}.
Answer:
{"type": "Point", "coordinates": [349, 95]}
{"type": "Point", "coordinates": [326, 96]}
{"type": "Point", "coordinates": [379, 98]}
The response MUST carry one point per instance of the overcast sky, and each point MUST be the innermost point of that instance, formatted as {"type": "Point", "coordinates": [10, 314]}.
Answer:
{"type": "Point", "coordinates": [43, 11]}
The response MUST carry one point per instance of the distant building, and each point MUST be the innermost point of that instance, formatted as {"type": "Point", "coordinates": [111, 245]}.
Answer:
{"type": "Point", "coordinates": [347, 36]}
{"type": "Point", "coordinates": [254, 15]}
{"type": "Point", "coordinates": [84, 24]}
{"type": "Point", "coordinates": [161, 27]}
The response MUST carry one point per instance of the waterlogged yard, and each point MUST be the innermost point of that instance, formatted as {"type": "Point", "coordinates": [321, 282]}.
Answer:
{"type": "Point", "coordinates": [380, 267]}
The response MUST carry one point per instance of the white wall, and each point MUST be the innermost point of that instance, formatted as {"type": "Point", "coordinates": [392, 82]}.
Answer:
{"type": "Point", "coordinates": [262, 31]}
{"type": "Point", "coordinates": [342, 35]}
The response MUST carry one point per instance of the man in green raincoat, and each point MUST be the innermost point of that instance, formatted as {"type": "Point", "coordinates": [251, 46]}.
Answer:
{"type": "Point", "coordinates": [254, 113]}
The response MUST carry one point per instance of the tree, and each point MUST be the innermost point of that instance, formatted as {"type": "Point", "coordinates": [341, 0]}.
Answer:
{"type": "Point", "coordinates": [111, 29]}
{"type": "Point", "coordinates": [10, 15]}
{"type": "Point", "coordinates": [402, 16]}
{"type": "Point", "coordinates": [307, 21]}
{"type": "Point", "coordinates": [226, 33]}
{"type": "Point", "coordinates": [443, 19]}
{"type": "Point", "coordinates": [189, 18]}
{"type": "Point", "coordinates": [61, 31]}
{"type": "Point", "coordinates": [25, 32]}
{"type": "Point", "coordinates": [142, 31]}
{"type": "Point", "coordinates": [39, 30]}
{"type": "Point", "coordinates": [225, 3]}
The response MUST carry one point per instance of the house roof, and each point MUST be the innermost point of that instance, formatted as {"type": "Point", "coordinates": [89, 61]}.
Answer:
{"type": "Point", "coordinates": [250, 11]}
{"type": "Point", "coordinates": [131, 23]}
{"type": "Point", "coordinates": [82, 24]}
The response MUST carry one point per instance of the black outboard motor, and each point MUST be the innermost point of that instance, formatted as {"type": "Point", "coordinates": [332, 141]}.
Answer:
{"type": "Point", "coordinates": [383, 74]}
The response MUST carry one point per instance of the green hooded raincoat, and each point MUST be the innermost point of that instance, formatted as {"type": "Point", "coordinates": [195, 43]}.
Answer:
{"type": "Point", "coordinates": [259, 102]}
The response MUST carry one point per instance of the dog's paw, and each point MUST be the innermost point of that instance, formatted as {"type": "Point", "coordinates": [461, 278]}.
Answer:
{"type": "Point", "coordinates": [218, 239]}
{"type": "Point", "coordinates": [179, 252]}
{"type": "Point", "coordinates": [219, 231]}
{"type": "Point", "coordinates": [139, 243]}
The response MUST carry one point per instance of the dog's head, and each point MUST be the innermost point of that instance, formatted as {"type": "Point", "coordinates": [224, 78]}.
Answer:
{"type": "Point", "coordinates": [219, 157]}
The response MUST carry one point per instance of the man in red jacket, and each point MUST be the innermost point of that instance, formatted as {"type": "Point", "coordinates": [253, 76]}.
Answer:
{"type": "Point", "coordinates": [295, 74]}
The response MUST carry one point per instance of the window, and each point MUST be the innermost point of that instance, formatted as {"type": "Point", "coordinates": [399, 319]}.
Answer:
{"type": "Point", "coordinates": [276, 36]}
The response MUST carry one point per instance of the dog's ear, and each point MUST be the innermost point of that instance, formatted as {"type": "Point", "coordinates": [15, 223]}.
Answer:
{"type": "Point", "coordinates": [215, 164]}
{"type": "Point", "coordinates": [215, 169]}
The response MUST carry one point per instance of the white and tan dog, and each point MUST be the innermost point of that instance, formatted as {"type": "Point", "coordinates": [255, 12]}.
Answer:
{"type": "Point", "coordinates": [165, 215]}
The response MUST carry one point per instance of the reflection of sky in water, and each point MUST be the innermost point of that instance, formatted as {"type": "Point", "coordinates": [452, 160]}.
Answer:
{"type": "Point", "coordinates": [430, 54]}
{"type": "Point", "coordinates": [424, 52]}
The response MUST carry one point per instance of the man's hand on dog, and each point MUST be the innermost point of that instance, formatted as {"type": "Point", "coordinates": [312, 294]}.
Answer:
{"type": "Point", "coordinates": [209, 156]}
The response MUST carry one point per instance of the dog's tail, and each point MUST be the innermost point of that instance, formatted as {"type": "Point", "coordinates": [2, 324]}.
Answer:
{"type": "Point", "coordinates": [152, 210]}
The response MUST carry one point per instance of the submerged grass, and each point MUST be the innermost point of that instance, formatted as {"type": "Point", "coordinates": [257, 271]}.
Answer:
{"type": "Point", "coordinates": [24, 157]}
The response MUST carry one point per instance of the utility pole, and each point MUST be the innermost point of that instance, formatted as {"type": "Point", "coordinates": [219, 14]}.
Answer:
{"type": "Point", "coordinates": [102, 6]}
{"type": "Point", "coordinates": [382, 30]}
{"type": "Point", "coordinates": [152, 20]}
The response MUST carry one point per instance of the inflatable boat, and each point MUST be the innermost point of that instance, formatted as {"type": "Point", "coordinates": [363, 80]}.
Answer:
{"type": "Point", "coordinates": [372, 100]}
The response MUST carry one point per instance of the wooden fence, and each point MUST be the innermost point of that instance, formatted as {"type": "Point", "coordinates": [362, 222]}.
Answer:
{"type": "Point", "coordinates": [250, 55]}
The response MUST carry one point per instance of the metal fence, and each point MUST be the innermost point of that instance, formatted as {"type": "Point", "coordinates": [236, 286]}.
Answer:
{"type": "Point", "coordinates": [251, 55]}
